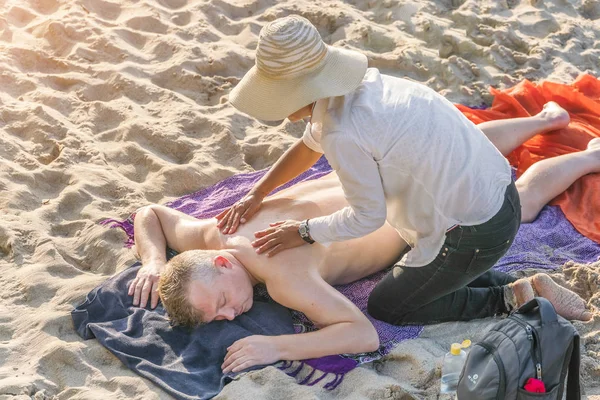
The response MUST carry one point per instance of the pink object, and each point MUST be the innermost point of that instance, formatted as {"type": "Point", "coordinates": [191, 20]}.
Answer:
{"type": "Point", "coordinates": [535, 386]}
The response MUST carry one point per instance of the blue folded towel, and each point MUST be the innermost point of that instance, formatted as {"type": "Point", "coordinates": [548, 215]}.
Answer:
{"type": "Point", "coordinates": [184, 362]}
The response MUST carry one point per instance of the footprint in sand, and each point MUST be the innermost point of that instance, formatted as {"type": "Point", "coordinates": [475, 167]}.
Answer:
{"type": "Point", "coordinates": [590, 9]}
{"type": "Point", "coordinates": [45, 7]}
{"type": "Point", "coordinates": [173, 4]}
{"type": "Point", "coordinates": [147, 24]}
{"type": "Point", "coordinates": [462, 68]}
{"type": "Point", "coordinates": [132, 161]}
{"type": "Point", "coordinates": [104, 9]}
{"type": "Point", "coordinates": [19, 17]}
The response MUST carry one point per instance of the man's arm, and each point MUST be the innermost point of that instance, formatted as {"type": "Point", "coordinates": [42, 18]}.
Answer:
{"type": "Point", "coordinates": [155, 227]}
{"type": "Point", "coordinates": [343, 327]}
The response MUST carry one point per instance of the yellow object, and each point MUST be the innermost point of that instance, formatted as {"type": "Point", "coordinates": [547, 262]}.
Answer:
{"type": "Point", "coordinates": [455, 349]}
{"type": "Point", "coordinates": [466, 344]}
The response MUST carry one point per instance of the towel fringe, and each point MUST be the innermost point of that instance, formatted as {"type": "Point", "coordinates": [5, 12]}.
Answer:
{"type": "Point", "coordinates": [336, 382]}
{"type": "Point", "coordinates": [308, 378]}
{"type": "Point", "coordinates": [318, 379]}
{"type": "Point", "coordinates": [311, 379]}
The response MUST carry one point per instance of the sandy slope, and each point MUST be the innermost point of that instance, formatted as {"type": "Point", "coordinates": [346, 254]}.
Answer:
{"type": "Point", "coordinates": [109, 105]}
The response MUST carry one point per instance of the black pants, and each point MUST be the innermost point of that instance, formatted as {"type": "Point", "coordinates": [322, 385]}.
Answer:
{"type": "Point", "coordinates": [459, 285]}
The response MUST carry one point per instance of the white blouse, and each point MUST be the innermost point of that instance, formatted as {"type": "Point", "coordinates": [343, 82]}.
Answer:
{"type": "Point", "coordinates": [405, 154]}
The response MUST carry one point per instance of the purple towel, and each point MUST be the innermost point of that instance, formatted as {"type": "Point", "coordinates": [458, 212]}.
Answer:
{"type": "Point", "coordinates": [547, 243]}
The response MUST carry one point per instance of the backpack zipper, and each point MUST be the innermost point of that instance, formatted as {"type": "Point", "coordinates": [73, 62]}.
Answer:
{"type": "Point", "coordinates": [536, 352]}
{"type": "Point", "coordinates": [493, 350]}
{"type": "Point", "coordinates": [538, 365]}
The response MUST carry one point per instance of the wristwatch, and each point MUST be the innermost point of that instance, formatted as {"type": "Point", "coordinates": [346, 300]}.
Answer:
{"type": "Point", "coordinates": [305, 232]}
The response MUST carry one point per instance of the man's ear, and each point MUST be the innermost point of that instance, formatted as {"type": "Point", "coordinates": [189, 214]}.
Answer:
{"type": "Point", "coordinates": [220, 261]}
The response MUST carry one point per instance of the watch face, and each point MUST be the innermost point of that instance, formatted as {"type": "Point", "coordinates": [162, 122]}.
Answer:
{"type": "Point", "coordinates": [302, 229]}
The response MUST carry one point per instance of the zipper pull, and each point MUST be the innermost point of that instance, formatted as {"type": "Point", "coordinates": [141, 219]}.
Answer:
{"type": "Point", "coordinates": [538, 369]}
{"type": "Point", "coordinates": [529, 334]}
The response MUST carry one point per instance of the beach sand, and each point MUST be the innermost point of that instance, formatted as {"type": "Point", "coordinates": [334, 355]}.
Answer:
{"type": "Point", "coordinates": [107, 105]}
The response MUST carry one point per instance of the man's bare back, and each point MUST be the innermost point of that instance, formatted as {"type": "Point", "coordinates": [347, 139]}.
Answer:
{"type": "Point", "coordinates": [338, 263]}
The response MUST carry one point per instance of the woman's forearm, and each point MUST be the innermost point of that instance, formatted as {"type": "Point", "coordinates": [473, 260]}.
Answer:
{"type": "Point", "coordinates": [343, 337]}
{"type": "Point", "coordinates": [292, 163]}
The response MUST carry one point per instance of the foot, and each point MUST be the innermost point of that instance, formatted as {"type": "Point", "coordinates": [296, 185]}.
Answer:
{"type": "Point", "coordinates": [554, 116]}
{"type": "Point", "coordinates": [593, 150]}
{"type": "Point", "coordinates": [567, 304]}
{"type": "Point", "coordinates": [594, 144]}
{"type": "Point", "coordinates": [522, 292]}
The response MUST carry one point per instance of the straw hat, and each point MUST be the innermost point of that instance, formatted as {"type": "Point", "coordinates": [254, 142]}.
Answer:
{"type": "Point", "coordinates": [294, 68]}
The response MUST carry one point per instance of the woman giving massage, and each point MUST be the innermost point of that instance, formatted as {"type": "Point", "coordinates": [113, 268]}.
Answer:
{"type": "Point", "coordinates": [403, 154]}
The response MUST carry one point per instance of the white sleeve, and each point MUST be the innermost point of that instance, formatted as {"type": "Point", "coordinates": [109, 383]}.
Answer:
{"type": "Point", "coordinates": [309, 139]}
{"type": "Point", "coordinates": [359, 174]}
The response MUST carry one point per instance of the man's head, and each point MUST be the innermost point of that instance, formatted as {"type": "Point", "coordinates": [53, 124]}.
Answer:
{"type": "Point", "coordinates": [199, 286]}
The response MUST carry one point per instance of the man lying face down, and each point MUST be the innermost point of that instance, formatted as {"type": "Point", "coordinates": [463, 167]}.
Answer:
{"type": "Point", "coordinates": [213, 276]}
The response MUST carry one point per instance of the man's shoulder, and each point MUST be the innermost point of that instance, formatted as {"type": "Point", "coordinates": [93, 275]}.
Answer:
{"type": "Point", "coordinates": [286, 274]}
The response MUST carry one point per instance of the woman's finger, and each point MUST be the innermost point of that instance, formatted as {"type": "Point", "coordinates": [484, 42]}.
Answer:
{"type": "Point", "coordinates": [220, 215]}
{"type": "Point", "coordinates": [277, 223]}
{"type": "Point", "coordinates": [248, 213]}
{"type": "Point", "coordinates": [264, 239]}
{"type": "Point", "coordinates": [228, 223]}
{"type": "Point", "coordinates": [236, 221]}
{"type": "Point", "coordinates": [223, 219]}
{"type": "Point", "coordinates": [276, 249]}
{"type": "Point", "coordinates": [264, 232]}
{"type": "Point", "coordinates": [268, 246]}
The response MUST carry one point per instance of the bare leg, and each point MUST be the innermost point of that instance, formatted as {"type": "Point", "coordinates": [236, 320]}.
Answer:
{"type": "Point", "coordinates": [508, 134]}
{"type": "Point", "coordinates": [548, 178]}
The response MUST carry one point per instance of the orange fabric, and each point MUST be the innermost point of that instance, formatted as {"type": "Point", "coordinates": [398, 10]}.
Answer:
{"type": "Point", "coordinates": [581, 202]}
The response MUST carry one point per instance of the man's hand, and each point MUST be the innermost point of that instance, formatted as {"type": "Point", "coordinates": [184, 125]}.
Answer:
{"type": "Point", "coordinates": [145, 285]}
{"type": "Point", "coordinates": [250, 351]}
{"type": "Point", "coordinates": [280, 236]}
{"type": "Point", "coordinates": [239, 213]}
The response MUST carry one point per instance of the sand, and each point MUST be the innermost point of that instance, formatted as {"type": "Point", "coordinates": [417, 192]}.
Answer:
{"type": "Point", "coordinates": [109, 105]}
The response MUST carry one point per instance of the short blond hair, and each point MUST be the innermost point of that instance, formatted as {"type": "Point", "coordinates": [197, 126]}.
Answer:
{"type": "Point", "coordinates": [174, 284]}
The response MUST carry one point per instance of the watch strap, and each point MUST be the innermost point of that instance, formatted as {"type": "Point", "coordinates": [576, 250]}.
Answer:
{"type": "Point", "coordinates": [304, 232]}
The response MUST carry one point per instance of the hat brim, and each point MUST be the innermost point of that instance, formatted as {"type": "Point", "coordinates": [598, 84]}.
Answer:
{"type": "Point", "coordinates": [270, 99]}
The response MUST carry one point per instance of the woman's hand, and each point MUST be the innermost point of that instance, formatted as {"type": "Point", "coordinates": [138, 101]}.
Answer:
{"type": "Point", "coordinates": [280, 236]}
{"type": "Point", "coordinates": [239, 213]}
{"type": "Point", "coordinates": [248, 352]}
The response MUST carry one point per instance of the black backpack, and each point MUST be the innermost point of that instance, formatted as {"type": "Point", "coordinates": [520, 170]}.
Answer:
{"type": "Point", "coordinates": [533, 342]}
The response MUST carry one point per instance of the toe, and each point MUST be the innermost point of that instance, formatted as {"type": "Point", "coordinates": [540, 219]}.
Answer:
{"type": "Point", "coordinates": [585, 316]}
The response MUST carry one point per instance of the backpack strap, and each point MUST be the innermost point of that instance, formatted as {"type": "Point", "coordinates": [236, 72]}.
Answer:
{"type": "Point", "coordinates": [546, 310]}
{"type": "Point", "coordinates": [573, 387]}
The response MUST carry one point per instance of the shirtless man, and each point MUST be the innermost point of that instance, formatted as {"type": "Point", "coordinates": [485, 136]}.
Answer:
{"type": "Point", "coordinates": [213, 277]}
